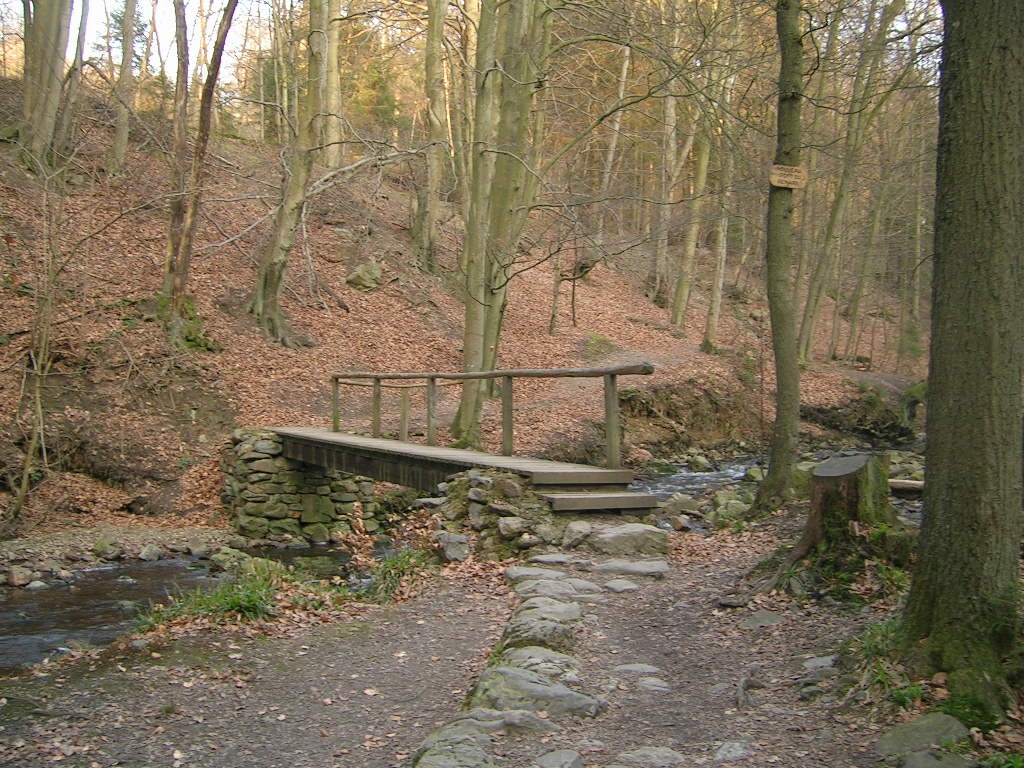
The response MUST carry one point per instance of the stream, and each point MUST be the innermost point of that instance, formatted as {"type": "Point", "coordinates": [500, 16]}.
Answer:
{"type": "Point", "coordinates": [102, 604]}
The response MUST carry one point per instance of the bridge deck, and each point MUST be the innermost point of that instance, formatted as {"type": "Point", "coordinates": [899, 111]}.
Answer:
{"type": "Point", "coordinates": [423, 466]}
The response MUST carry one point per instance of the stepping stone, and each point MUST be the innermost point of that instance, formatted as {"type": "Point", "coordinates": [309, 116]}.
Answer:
{"type": "Point", "coordinates": [559, 590]}
{"type": "Point", "coordinates": [530, 631]}
{"type": "Point", "coordinates": [621, 585]}
{"type": "Point", "coordinates": [513, 688]}
{"type": "Point", "coordinates": [629, 539]}
{"type": "Point", "coordinates": [653, 685]}
{"type": "Point", "coordinates": [543, 661]}
{"type": "Point", "coordinates": [653, 568]}
{"type": "Point", "coordinates": [517, 573]}
{"type": "Point", "coordinates": [651, 757]}
{"type": "Point", "coordinates": [762, 618]}
{"type": "Point", "coordinates": [559, 558]}
{"type": "Point", "coordinates": [732, 750]}
{"type": "Point", "coordinates": [550, 609]}
{"type": "Point", "coordinates": [638, 669]}
{"type": "Point", "coordinates": [560, 758]}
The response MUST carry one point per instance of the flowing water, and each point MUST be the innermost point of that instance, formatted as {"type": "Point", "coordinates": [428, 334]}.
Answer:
{"type": "Point", "coordinates": [97, 608]}
{"type": "Point", "coordinates": [102, 604]}
{"type": "Point", "coordinates": [687, 481]}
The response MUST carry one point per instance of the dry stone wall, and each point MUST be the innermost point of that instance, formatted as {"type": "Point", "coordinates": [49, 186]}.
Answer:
{"type": "Point", "coordinates": [274, 498]}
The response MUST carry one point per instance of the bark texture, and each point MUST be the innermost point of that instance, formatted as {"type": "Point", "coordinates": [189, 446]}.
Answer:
{"type": "Point", "coordinates": [963, 612]}
{"type": "Point", "coordinates": [782, 457]}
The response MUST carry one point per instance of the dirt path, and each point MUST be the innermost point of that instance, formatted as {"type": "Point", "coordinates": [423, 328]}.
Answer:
{"type": "Point", "coordinates": [359, 693]}
{"type": "Point", "coordinates": [367, 692]}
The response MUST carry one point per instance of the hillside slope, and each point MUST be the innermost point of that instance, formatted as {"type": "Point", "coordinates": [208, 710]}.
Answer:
{"type": "Point", "coordinates": [125, 408]}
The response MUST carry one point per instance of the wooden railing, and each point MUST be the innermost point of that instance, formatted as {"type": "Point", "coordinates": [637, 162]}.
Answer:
{"type": "Point", "coordinates": [409, 381]}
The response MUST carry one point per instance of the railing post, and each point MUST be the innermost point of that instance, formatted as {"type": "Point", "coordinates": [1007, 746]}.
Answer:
{"type": "Point", "coordinates": [403, 419]}
{"type": "Point", "coordinates": [431, 410]}
{"type": "Point", "coordinates": [375, 410]}
{"type": "Point", "coordinates": [506, 416]}
{"type": "Point", "coordinates": [335, 409]}
{"type": "Point", "coordinates": [611, 422]}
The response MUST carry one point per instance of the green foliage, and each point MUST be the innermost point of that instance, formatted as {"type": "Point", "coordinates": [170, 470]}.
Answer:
{"type": "Point", "coordinates": [389, 575]}
{"type": "Point", "coordinates": [877, 642]}
{"type": "Point", "coordinates": [907, 696]}
{"type": "Point", "coordinates": [1003, 761]}
{"type": "Point", "coordinates": [248, 597]}
{"type": "Point", "coordinates": [971, 711]}
{"type": "Point", "coordinates": [892, 581]}
{"type": "Point", "coordinates": [596, 346]}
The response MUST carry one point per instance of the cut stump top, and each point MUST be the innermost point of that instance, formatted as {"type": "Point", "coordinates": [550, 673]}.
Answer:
{"type": "Point", "coordinates": [840, 466]}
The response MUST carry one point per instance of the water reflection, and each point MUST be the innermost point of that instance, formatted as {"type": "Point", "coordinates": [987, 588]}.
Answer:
{"type": "Point", "coordinates": [97, 608]}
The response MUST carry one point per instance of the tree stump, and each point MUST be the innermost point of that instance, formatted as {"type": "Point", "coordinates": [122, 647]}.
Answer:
{"type": "Point", "coordinates": [849, 523]}
{"type": "Point", "coordinates": [849, 503]}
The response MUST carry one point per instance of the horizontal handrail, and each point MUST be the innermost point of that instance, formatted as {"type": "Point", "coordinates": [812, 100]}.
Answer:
{"type": "Point", "coordinates": [641, 369]}
{"type": "Point", "coordinates": [430, 381]}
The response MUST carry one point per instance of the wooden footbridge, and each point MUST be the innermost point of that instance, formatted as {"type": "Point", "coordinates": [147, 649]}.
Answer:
{"type": "Point", "coordinates": [577, 487]}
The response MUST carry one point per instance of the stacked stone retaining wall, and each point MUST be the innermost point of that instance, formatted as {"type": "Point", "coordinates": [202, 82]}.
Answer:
{"type": "Point", "coordinates": [279, 499]}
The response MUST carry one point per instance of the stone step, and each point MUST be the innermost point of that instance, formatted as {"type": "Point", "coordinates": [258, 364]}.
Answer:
{"type": "Point", "coordinates": [583, 502]}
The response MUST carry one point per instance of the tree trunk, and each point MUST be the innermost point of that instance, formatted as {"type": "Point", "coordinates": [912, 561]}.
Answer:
{"type": "Point", "coordinates": [962, 615]}
{"type": "Point", "coordinates": [777, 484]}
{"type": "Point", "coordinates": [610, 155]}
{"type": "Point", "coordinates": [508, 129]}
{"type": "Point", "coordinates": [710, 341]}
{"type": "Point", "coordinates": [180, 320]}
{"type": "Point", "coordinates": [123, 91]}
{"type": "Point", "coordinates": [849, 512]}
{"type": "Point", "coordinates": [425, 229]}
{"type": "Point", "coordinates": [333, 123]}
{"type": "Point", "coordinates": [265, 301]}
{"type": "Point", "coordinates": [863, 107]}
{"type": "Point", "coordinates": [47, 27]}
{"type": "Point", "coordinates": [475, 257]}
{"type": "Point", "coordinates": [684, 279]}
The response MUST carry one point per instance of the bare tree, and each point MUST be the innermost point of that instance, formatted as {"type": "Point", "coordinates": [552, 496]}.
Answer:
{"type": "Point", "coordinates": [179, 317]}
{"type": "Point", "coordinates": [776, 485]}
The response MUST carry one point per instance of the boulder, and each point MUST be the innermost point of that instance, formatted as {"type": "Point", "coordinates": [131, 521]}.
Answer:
{"type": "Point", "coordinates": [513, 688]}
{"type": "Point", "coordinates": [920, 734]}
{"type": "Point", "coordinates": [19, 575]}
{"type": "Point", "coordinates": [454, 546]}
{"type": "Point", "coordinates": [630, 539]}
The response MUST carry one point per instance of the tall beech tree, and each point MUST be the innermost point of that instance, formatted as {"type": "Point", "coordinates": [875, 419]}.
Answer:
{"type": "Point", "coordinates": [779, 257]}
{"type": "Point", "coordinates": [265, 300]}
{"type": "Point", "coordinates": [508, 127]}
{"type": "Point", "coordinates": [47, 27]}
{"type": "Point", "coordinates": [962, 616]}
{"type": "Point", "coordinates": [188, 175]}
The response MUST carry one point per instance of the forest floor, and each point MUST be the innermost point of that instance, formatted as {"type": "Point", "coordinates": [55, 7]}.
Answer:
{"type": "Point", "coordinates": [365, 691]}
{"type": "Point", "coordinates": [134, 434]}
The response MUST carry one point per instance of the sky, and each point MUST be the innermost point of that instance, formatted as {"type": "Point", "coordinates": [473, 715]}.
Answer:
{"type": "Point", "coordinates": [100, 9]}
